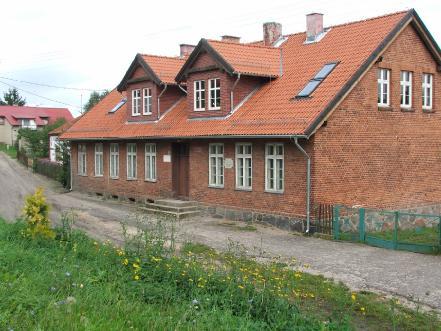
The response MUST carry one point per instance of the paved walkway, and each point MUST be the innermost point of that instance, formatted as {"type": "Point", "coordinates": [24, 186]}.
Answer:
{"type": "Point", "coordinates": [407, 275]}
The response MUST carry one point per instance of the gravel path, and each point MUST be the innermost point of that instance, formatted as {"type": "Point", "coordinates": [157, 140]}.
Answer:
{"type": "Point", "coordinates": [412, 276]}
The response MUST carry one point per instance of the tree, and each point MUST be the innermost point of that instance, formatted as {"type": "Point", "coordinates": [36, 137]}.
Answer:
{"type": "Point", "coordinates": [94, 98]}
{"type": "Point", "coordinates": [13, 98]}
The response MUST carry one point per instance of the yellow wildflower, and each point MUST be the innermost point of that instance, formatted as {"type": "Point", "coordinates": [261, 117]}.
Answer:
{"type": "Point", "coordinates": [353, 297]}
{"type": "Point", "coordinates": [125, 262]}
{"type": "Point", "coordinates": [136, 277]}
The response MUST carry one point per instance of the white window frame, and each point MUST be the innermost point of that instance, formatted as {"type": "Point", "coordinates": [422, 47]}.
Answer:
{"type": "Point", "coordinates": [199, 95]}
{"type": "Point", "coordinates": [99, 160]}
{"type": "Point", "coordinates": [82, 160]}
{"type": "Point", "coordinates": [216, 161]}
{"type": "Point", "coordinates": [244, 173]}
{"type": "Point", "coordinates": [214, 86]}
{"type": "Point", "coordinates": [131, 160]}
{"type": "Point", "coordinates": [136, 102]}
{"type": "Point", "coordinates": [275, 172]}
{"type": "Point", "coordinates": [114, 160]}
{"type": "Point", "coordinates": [150, 162]}
{"type": "Point", "coordinates": [147, 101]}
{"type": "Point", "coordinates": [405, 87]}
{"type": "Point", "coordinates": [381, 83]}
{"type": "Point", "coordinates": [427, 84]}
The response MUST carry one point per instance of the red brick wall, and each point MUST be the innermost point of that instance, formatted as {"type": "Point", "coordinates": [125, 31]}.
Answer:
{"type": "Point", "coordinates": [122, 187]}
{"type": "Point", "coordinates": [171, 95]}
{"type": "Point", "coordinates": [378, 158]}
{"type": "Point", "coordinates": [291, 202]}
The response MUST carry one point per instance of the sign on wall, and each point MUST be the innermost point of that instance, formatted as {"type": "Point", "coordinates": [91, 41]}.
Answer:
{"type": "Point", "coordinates": [229, 163]}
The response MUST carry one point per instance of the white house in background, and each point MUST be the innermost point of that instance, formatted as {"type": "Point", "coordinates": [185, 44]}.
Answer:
{"type": "Point", "coordinates": [12, 118]}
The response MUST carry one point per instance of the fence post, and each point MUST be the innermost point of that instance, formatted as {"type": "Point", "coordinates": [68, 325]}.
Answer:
{"type": "Point", "coordinates": [397, 215]}
{"type": "Point", "coordinates": [361, 225]}
{"type": "Point", "coordinates": [336, 222]}
{"type": "Point", "coordinates": [439, 234]}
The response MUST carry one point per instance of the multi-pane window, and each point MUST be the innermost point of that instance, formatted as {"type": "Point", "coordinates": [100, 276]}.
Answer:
{"type": "Point", "coordinates": [406, 89]}
{"type": "Point", "coordinates": [274, 167]}
{"type": "Point", "coordinates": [147, 101]}
{"type": "Point", "coordinates": [244, 166]}
{"type": "Point", "coordinates": [82, 160]}
{"type": "Point", "coordinates": [216, 165]}
{"type": "Point", "coordinates": [114, 160]}
{"type": "Point", "coordinates": [199, 95]}
{"type": "Point", "coordinates": [136, 102]}
{"type": "Point", "coordinates": [131, 161]}
{"type": "Point", "coordinates": [99, 159]}
{"type": "Point", "coordinates": [383, 79]}
{"type": "Point", "coordinates": [150, 162]}
{"type": "Point", "coordinates": [215, 98]}
{"type": "Point", "coordinates": [427, 91]}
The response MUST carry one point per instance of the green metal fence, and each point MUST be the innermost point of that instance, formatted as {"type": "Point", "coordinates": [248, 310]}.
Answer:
{"type": "Point", "coordinates": [388, 229]}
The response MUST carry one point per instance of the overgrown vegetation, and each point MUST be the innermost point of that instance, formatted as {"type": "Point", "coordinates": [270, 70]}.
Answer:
{"type": "Point", "coordinates": [9, 150]}
{"type": "Point", "coordinates": [74, 282]}
{"type": "Point", "coordinates": [37, 141]}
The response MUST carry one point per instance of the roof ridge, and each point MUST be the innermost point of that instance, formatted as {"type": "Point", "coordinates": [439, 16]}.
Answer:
{"type": "Point", "coordinates": [338, 25]}
{"type": "Point", "coordinates": [163, 56]}
{"type": "Point", "coordinates": [241, 44]}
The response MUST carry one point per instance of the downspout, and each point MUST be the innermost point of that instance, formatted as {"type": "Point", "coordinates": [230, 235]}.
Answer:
{"type": "Point", "coordinates": [70, 169]}
{"type": "Point", "coordinates": [308, 183]}
{"type": "Point", "coordinates": [232, 93]}
{"type": "Point", "coordinates": [182, 89]}
{"type": "Point", "coordinates": [159, 99]}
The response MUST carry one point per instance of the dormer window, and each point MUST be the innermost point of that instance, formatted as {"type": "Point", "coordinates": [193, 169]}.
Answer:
{"type": "Point", "coordinates": [214, 86]}
{"type": "Point", "coordinates": [147, 101]}
{"type": "Point", "coordinates": [199, 95]}
{"type": "Point", "coordinates": [136, 102]}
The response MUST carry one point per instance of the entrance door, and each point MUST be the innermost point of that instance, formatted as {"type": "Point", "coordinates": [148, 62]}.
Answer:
{"type": "Point", "coordinates": [180, 175]}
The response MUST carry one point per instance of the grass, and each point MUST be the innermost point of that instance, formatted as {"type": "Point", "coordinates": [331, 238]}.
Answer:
{"type": "Point", "coordinates": [76, 283]}
{"type": "Point", "coordinates": [11, 151]}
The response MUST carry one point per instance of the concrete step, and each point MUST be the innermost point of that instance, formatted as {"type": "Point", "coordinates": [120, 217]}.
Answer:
{"type": "Point", "coordinates": [175, 203]}
{"type": "Point", "coordinates": [172, 214]}
{"type": "Point", "coordinates": [159, 207]}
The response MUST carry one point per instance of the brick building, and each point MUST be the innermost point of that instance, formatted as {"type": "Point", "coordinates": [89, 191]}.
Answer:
{"type": "Point", "coordinates": [348, 114]}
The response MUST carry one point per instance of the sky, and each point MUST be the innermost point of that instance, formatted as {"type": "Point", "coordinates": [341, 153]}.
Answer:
{"type": "Point", "coordinates": [88, 45]}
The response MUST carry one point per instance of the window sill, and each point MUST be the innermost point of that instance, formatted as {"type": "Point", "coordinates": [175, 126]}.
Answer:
{"type": "Point", "coordinates": [428, 111]}
{"type": "Point", "coordinates": [243, 189]}
{"type": "Point", "coordinates": [82, 175]}
{"type": "Point", "coordinates": [216, 186]}
{"type": "Point", "coordinates": [407, 109]}
{"type": "Point", "coordinates": [98, 176]}
{"type": "Point", "coordinates": [135, 115]}
{"type": "Point", "coordinates": [146, 114]}
{"type": "Point", "coordinates": [132, 179]}
{"type": "Point", "coordinates": [385, 108]}
{"type": "Point", "coordinates": [114, 177]}
{"type": "Point", "coordinates": [201, 109]}
{"type": "Point", "coordinates": [151, 180]}
{"type": "Point", "coordinates": [274, 192]}
{"type": "Point", "coordinates": [218, 108]}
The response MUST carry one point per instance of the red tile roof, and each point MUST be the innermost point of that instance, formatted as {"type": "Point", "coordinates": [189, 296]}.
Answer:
{"type": "Point", "coordinates": [271, 110]}
{"type": "Point", "coordinates": [166, 68]}
{"type": "Point", "coordinates": [249, 59]}
{"type": "Point", "coordinates": [15, 113]}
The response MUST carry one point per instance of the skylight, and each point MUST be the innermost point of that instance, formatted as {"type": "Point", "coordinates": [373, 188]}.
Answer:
{"type": "Point", "coordinates": [118, 106]}
{"type": "Point", "coordinates": [318, 78]}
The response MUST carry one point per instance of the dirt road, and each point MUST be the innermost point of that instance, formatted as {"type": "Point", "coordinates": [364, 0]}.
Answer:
{"type": "Point", "coordinates": [408, 275]}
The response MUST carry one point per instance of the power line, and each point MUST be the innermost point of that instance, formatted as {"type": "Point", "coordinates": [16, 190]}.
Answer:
{"type": "Point", "coordinates": [54, 86]}
{"type": "Point", "coordinates": [39, 96]}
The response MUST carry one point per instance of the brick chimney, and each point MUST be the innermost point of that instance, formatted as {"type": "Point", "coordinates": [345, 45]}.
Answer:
{"type": "Point", "coordinates": [186, 49]}
{"type": "Point", "coordinates": [272, 31]}
{"type": "Point", "coordinates": [231, 39]}
{"type": "Point", "coordinates": [314, 26]}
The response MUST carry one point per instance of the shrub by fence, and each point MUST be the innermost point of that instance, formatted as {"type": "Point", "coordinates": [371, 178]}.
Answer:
{"type": "Point", "coordinates": [47, 168]}
{"type": "Point", "coordinates": [388, 229]}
